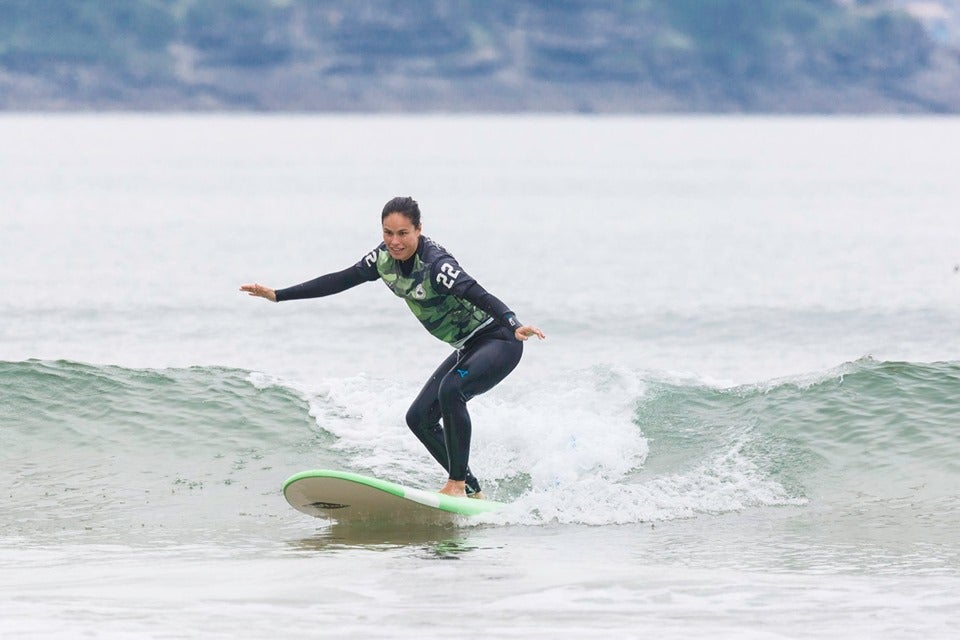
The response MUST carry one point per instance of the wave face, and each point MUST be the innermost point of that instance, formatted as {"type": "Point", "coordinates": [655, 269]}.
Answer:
{"type": "Point", "coordinates": [112, 452]}
{"type": "Point", "coordinates": [871, 442]}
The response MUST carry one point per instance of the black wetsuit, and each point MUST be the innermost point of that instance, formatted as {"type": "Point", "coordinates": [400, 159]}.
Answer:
{"type": "Point", "coordinates": [455, 308]}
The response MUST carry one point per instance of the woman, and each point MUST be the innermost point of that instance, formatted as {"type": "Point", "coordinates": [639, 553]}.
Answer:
{"type": "Point", "coordinates": [452, 306]}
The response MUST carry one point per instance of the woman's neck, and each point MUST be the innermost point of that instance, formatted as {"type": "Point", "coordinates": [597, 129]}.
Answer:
{"type": "Point", "coordinates": [406, 266]}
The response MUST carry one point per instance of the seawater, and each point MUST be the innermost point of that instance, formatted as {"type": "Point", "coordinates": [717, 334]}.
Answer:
{"type": "Point", "coordinates": [742, 424]}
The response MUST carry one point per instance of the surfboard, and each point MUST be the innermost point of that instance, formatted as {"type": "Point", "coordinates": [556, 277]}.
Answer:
{"type": "Point", "coordinates": [344, 495]}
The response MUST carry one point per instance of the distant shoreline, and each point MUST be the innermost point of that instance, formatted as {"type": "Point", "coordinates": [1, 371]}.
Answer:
{"type": "Point", "coordinates": [490, 56]}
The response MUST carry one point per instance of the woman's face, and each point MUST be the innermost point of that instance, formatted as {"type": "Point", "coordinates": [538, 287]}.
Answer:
{"type": "Point", "coordinates": [400, 236]}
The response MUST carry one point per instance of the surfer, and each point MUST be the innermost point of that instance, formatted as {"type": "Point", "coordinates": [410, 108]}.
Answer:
{"type": "Point", "coordinates": [486, 335]}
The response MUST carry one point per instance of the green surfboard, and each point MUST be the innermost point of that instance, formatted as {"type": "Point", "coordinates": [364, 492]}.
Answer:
{"type": "Point", "coordinates": [343, 495]}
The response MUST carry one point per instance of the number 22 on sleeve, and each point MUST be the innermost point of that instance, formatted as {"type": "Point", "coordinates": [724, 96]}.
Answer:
{"type": "Point", "coordinates": [448, 275]}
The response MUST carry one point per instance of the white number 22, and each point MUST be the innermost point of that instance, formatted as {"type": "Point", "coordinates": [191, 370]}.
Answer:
{"type": "Point", "coordinates": [448, 275]}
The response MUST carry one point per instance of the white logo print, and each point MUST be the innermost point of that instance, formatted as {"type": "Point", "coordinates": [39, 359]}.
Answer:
{"type": "Point", "coordinates": [419, 293]}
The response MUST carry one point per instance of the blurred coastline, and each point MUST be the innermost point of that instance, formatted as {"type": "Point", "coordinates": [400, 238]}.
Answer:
{"type": "Point", "coordinates": [471, 56]}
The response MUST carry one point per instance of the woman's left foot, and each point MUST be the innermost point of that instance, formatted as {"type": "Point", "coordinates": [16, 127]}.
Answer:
{"type": "Point", "coordinates": [455, 488]}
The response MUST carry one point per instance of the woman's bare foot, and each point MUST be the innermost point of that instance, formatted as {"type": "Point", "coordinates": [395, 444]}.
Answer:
{"type": "Point", "coordinates": [456, 488]}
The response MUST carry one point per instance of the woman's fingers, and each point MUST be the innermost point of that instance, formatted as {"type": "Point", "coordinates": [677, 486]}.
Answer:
{"type": "Point", "coordinates": [524, 332]}
{"type": "Point", "coordinates": [258, 290]}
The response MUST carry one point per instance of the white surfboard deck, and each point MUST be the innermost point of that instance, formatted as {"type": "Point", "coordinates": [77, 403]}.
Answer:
{"type": "Point", "coordinates": [344, 495]}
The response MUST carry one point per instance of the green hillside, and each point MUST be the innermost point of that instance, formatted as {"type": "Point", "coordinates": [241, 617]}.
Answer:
{"type": "Point", "coordinates": [478, 55]}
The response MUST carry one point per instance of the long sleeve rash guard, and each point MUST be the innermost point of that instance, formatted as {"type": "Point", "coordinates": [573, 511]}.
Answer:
{"type": "Point", "coordinates": [432, 283]}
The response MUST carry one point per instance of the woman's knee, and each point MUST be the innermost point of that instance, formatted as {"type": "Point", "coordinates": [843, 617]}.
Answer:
{"type": "Point", "coordinates": [417, 418]}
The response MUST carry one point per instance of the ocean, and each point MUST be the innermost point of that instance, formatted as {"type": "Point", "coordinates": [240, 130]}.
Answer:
{"type": "Point", "coordinates": [743, 422]}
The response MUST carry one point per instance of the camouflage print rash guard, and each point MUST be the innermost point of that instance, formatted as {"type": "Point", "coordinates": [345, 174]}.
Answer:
{"type": "Point", "coordinates": [449, 303]}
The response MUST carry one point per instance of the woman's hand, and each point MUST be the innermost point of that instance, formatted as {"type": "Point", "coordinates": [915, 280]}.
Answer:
{"type": "Point", "coordinates": [261, 291]}
{"type": "Point", "coordinates": [526, 331]}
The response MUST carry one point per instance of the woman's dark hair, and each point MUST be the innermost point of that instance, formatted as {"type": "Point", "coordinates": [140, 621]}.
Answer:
{"type": "Point", "coordinates": [404, 205]}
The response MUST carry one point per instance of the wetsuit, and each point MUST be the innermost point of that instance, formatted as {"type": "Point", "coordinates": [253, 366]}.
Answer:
{"type": "Point", "coordinates": [452, 306]}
